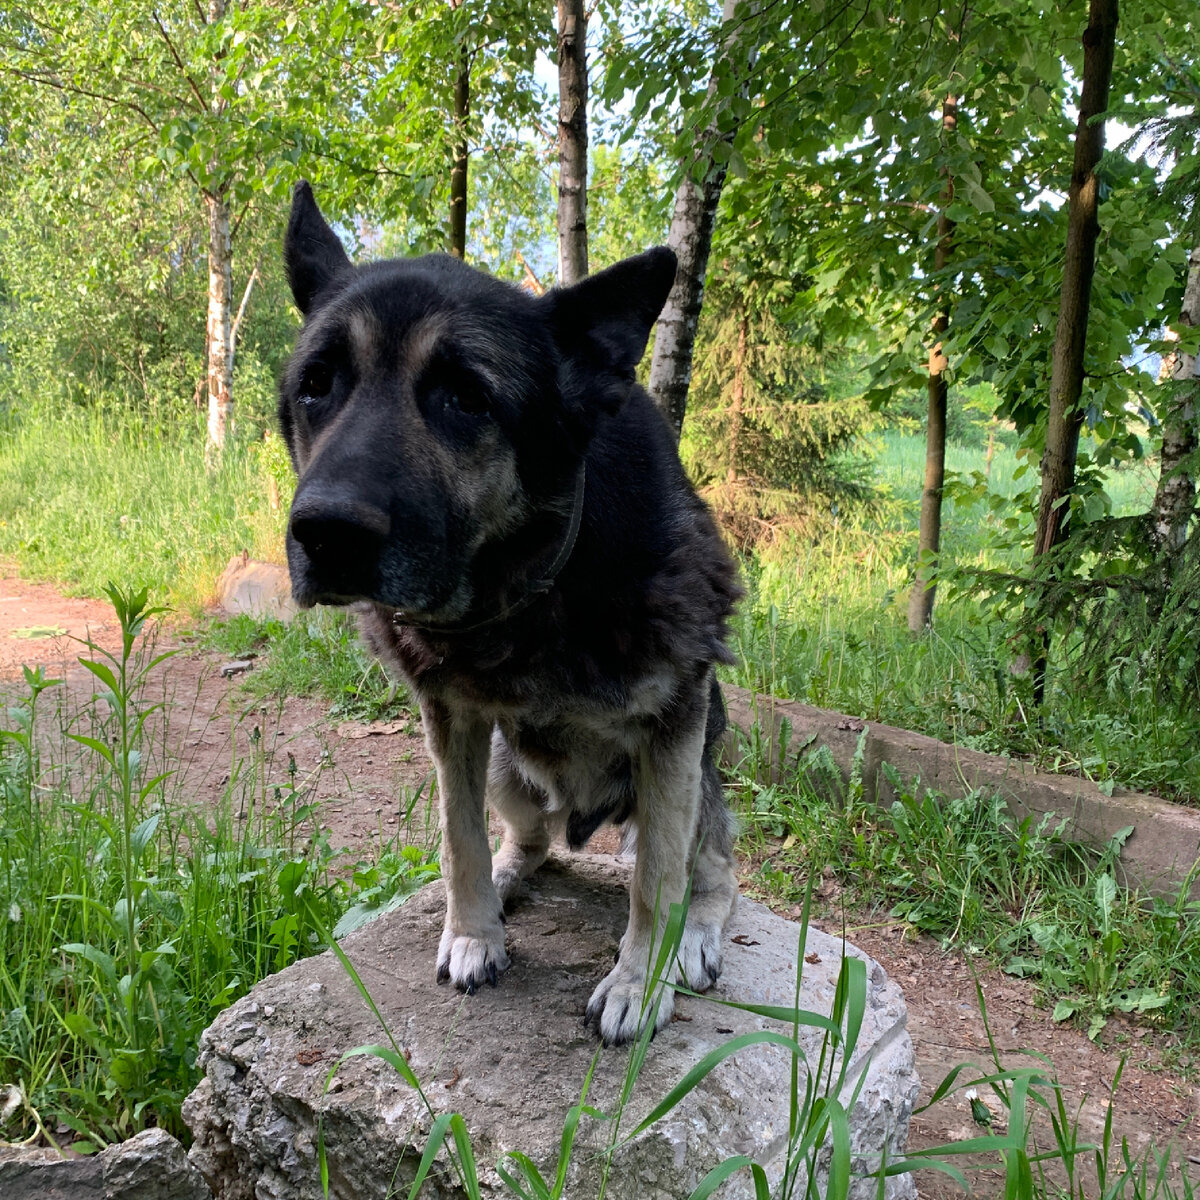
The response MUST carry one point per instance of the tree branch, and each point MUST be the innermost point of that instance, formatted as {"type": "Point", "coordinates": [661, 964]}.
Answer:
{"type": "Point", "coordinates": [200, 100]}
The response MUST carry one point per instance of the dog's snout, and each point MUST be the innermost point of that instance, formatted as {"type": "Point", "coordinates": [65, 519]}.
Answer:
{"type": "Point", "coordinates": [339, 530]}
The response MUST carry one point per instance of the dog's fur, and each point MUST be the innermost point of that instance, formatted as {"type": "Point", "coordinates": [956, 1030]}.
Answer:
{"type": "Point", "coordinates": [480, 473]}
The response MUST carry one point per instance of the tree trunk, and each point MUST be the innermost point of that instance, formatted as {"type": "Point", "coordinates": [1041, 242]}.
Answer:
{"type": "Point", "coordinates": [1175, 497]}
{"type": "Point", "coordinates": [461, 150]}
{"type": "Point", "coordinates": [929, 536]}
{"type": "Point", "coordinates": [1079, 261]}
{"type": "Point", "coordinates": [737, 396]}
{"type": "Point", "coordinates": [691, 239]}
{"type": "Point", "coordinates": [572, 142]}
{"type": "Point", "coordinates": [219, 333]}
{"type": "Point", "coordinates": [220, 347]}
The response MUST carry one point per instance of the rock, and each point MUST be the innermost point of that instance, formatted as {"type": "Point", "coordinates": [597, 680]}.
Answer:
{"type": "Point", "coordinates": [512, 1060]}
{"type": "Point", "coordinates": [150, 1166]}
{"type": "Point", "coordinates": [261, 589]}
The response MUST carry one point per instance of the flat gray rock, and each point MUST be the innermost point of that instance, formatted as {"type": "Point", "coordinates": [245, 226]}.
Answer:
{"type": "Point", "coordinates": [152, 1165]}
{"type": "Point", "coordinates": [512, 1060]}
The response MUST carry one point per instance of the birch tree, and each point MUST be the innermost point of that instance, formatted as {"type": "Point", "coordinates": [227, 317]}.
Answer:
{"type": "Point", "coordinates": [572, 142]}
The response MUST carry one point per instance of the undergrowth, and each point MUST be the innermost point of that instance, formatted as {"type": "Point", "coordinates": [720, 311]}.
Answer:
{"type": "Point", "coordinates": [825, 622]}
{"type": "Point", "coordinates": [317, 653]}
{"type": "Point", "coordinates": [966, 871]}
{"type": "Point", "coordinates": [129, 917]}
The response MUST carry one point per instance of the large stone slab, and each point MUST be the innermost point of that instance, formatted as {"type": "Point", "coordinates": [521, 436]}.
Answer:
{"type": "Point", "coordinates": [512, 1060]}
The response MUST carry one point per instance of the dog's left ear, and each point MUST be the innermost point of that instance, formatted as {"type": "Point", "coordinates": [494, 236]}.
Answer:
{"type": "Point", "coordinates": [602, 324]}
{"type": "Point", "coordinates": [313, 254]}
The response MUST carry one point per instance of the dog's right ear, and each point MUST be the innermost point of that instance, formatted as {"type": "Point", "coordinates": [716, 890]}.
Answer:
{"type": "Point", "coordinates": [312, 253]}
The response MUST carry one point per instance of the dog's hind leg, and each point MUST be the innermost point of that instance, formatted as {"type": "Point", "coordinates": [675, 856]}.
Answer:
{"type": "Point", "coordinates": [472, 948]}
{"type": "Point", "coordinates": [667, 782]}
{"type": "Point", "coordinates": [714, 884]}
{"type": "Point", "coordinates": [527, 824]}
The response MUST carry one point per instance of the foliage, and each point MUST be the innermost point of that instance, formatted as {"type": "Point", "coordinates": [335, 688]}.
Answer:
{"type": "Point", "coordinates": [131, 919]}
{"type": "Point", "coordinates": [317, 653]}
{"type": "Point", "coordinates": [968, 873]}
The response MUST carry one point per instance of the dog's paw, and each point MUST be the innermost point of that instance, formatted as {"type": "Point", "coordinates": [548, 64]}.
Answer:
{"type": "Point", "coordinates": [506, 878]}
{"type": "Point", "coordinates": [700, 955]}
{"type": "Point", "coordinates": [469, 962]}
{"type": "Point", "coordinates": [619, 1010]}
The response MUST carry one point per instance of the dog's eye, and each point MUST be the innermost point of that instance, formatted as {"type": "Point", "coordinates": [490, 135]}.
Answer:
{"type": "Point", "coordinates": [465, 399]}
{"type": "Point", "coordinates": [317, 381]}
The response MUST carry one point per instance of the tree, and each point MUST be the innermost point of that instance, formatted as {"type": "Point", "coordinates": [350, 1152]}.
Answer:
{"type": "Point", "coordinates": [1175, 496]}
{"type": "Point", "coordinates": [206, 98]}
{"type": "Point", "coordinates": [920, 601]}
{"type": "Point", "coordinates": [690, 236]}
{"type": "Point", "coordinates": [460, 119]}
{"type": "Point", "coordinates": [572, 142]}
{"type": "Point", "coordinates": [1065, 417]}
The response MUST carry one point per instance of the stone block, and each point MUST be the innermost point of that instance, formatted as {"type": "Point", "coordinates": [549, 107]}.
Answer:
{"type": "Point", "coordinates": [512, 1060]}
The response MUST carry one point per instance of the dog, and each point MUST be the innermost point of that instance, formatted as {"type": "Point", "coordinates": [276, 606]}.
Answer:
{"type": "Point", "coordinates": [481, 476]}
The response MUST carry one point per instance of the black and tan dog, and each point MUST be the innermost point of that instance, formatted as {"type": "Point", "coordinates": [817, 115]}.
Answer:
{"type": "Point", "coordinates": [480, 473]}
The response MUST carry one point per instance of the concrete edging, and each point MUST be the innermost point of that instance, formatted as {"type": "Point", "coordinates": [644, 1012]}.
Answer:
{"type": "Point", "coordinates": [1164, 845]}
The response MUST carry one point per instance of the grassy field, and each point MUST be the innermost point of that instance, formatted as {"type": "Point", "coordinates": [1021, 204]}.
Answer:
{"type": "Point", "coordinates": [826, 623]}
{"type": "Point", "coordinates": [85, 499]}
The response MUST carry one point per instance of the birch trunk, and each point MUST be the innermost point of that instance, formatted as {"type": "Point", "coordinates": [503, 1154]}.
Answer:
{"type": "Point", "coordinates": [691, 238]}
{"type": "Point", "coordinates": [219, 331]}
{"type": "Point", "coordinates": [929, 536]}
{"type": "Point", "coordinates": [220, 345]}
{"type": "Point", "coordinates": [572, 142]}
{"type": "Point", "coordinates": [1175, 497]}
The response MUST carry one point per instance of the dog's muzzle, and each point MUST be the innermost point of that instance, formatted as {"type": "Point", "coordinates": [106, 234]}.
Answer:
{"type": "Point", "coordinates": [341, 539]}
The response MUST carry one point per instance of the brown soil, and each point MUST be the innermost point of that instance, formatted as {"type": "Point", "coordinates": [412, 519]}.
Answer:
{"type": "Point", "coordinates": [362, 776]}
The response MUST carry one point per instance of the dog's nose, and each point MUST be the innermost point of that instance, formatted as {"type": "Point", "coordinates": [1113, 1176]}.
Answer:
{"type": "Point", "coordinates": [340, 531]}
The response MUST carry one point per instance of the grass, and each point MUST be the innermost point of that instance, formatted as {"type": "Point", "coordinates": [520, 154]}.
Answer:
{"type": "Point", "coordinates": [318, 653]}
{"type": "Point", "coordinates": [87, 496]}
{"type": "Point", "coordinates": [826, 623]}
{"type": "Point", "coordinates": [1015, 892]}
{"type": "Point", "coordinates": [131, 918]}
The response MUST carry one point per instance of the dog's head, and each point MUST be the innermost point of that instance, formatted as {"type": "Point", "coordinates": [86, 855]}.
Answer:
{"type": "Point", "coordinates": [432, 411]}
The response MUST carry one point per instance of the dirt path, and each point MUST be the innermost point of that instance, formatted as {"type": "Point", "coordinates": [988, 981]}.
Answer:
{"type": "Point", "coordinates": [361, 777]}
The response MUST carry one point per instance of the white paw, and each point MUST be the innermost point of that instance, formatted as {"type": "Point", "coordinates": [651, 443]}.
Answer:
{"type": "Point", "coordinates": [470, 961]}
{"type": "Point", "coordinates": [619, 1010]}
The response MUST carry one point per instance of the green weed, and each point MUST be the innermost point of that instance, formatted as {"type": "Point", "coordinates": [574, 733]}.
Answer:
{"type": "Point", "coordinates": [128, 919]}
{"type": "Point", "coordinates": [317, 653]}
{"type": "Point", "coordinates": [968, 873]}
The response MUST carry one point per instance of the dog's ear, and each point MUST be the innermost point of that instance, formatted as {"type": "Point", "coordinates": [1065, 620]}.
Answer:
{"type": "Point", "coordinates": [312, 252]}
{"type": "Point", "coordinates": [602, 324]}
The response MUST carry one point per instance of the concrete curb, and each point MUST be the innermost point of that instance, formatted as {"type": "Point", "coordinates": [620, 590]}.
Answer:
{"type": "Point", "coordinates": [1164, 845]}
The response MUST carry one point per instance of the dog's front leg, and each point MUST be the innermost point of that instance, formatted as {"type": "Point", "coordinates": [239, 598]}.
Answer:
{"type": "Point", "coordinates": [472, 947]}
{"type": "Point", "coordinates": [667, 779]}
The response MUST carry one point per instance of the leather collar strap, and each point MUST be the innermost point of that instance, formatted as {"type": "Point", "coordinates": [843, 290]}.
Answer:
{"type": "Point", "coordinates": [539, 588]}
